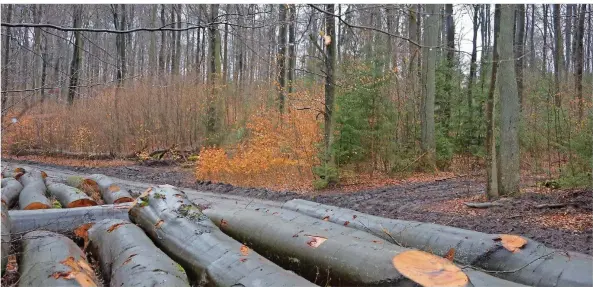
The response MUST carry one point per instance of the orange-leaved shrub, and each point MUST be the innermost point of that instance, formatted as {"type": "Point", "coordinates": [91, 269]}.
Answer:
{"type": "Point", "coordinates": [278, 152]}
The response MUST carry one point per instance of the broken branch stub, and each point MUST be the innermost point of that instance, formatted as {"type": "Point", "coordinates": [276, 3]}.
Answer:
{"type": "Point", "coordinates": [129, 258]}
{"type": "Point", "coordinates": [51, 259]}
{"type": "Point", "coordinates": [11, 189]}
{"type": "Point", "coordinates": [510, 257]}
{"type": "Point", "coordinates": [110, 191]}
{"type": "Point", "coordinates": [199, 246]}
{"type": "Point", "coordinates": [6, 237]}
{"type": "Point", "coordinates": [33, 194]}
{"type": "Point", "coordinates": [65, 220]}
{"type": "Point", "coordinates": [69, 196]}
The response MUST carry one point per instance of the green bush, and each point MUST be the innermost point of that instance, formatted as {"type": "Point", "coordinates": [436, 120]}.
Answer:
{"type": "Point", "coordinates": [328, 176]}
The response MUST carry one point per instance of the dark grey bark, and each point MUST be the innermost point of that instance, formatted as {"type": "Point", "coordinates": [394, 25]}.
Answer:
{"type": "Point", "coordinates": [6, 237]}
{"type": "Point", "coordinates": [281, 57]}
{"type": "Point", "coordinates": [472, 70]}
{"type": "Point", "coordinates": [50, 259]}
{"type": "Point", "coordinates": [111, 192]}
{"type": "Point", "coordinates": [76, 54]}
{"type": "Point", "coordinates": [558, 55]}
{"type": "Point", "coordinates": [11, 189]}
{"type": "Point", "coordinates": [65, 220]}
{"type": "Point", "coordinates": [535, 263]}
{"type": "Point", "coordinates": [579, 60]}
{"type": "Point", "coordinates": [207, 253]}
{"type": "Point", "coordinates": [568, 16]}
{"type": "Point", "coordinates": [509, 167]}
{"type": "Point", "coordinates": [491, 164]}
{"type": "Point", "coordinates": [6, 56]}
{"type": "Point", "coordinates": [162, 44]}
{"type": "Point", "coordinates": [330, 63]}
{"type": "Point", "coordinates": [451, 64]}
{"type": "Point", "coordinates": [33, 194]}
{"type": "Point", "coordinates": [531, 39]}
{"type": "Point", "coordinates": [519, 49]}
{"type": "Point", "coordinates": [430, 42]}
{"type": "Point", "coordinates": [129, 258]}
{"type": "Point", "coordinates": [213, 72]}
{"type": "Point", "coordinates": [545, 36]}
{"type": "Point", "coordinates": [68, 196]}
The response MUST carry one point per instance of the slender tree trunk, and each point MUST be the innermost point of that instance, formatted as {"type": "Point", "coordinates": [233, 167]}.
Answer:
{"type": "Point", "coordinates": [45, 60]}
{"type": "Point", "coordinates": [177, 60]}
{"type": "Point", "coordinates": [152, 62]}
{"type": "Point", "coordinates": [213, 73]}
{"type": "Point", "coordinates": [291, 47]}
{"type": "Point", "coordinates": [579, 59]}
{"type": "Point", "coordinates": [472, 71]}
{"type": "Point", "coordinates": [430, 42]}
{"type": "Point", "coordinates": [36, 46]}
{"type": "Point", "coordinates": [567, 35]}
{"type": "Point", "coordinates": [6, 57]}
{"type": "Point", "coordinates": [76, 54]}
{"type": "Point", "coordinates": [545, 36]}
{"type": "Point", "coordinates": [281, 57]}
{"type": "Point", "coordinates": [330, 62]}
{"type": "Point", "coordinates": [162, 44]}
{"type": "Point", "coordinates": [451, 64]}
{"type": "Point", "coordinates": [225, 57]}
{"type": "Point", "coordinates": [492, 190]}
{"type": "Point", "coordinates": [558, 61]}
{"type": "Point", "coordinates": [509, 176]}
{"type": "Point", "coordinates": [531, 42]}
{"type": "Point", "coordinates": [519, 49]}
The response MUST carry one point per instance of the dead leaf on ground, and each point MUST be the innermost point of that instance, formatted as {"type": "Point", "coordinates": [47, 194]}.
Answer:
{"type": "Point", "coordinates": [244, 250]}
{"type": "Point", "coordinates": [346, 223]}
{"type": "Point", "coordinates": [429, 270]}
{"type": "Point", "coordinates": [511, 242]}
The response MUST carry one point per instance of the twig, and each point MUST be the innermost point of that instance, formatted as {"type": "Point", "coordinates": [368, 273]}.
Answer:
{"type": "Point", "coordinates": [508, 271]}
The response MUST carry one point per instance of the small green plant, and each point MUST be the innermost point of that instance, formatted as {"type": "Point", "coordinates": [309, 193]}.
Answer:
{"type": "Point", "coordinates": [328, 176]}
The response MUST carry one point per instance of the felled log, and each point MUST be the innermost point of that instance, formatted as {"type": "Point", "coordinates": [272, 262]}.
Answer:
{"type": "Point", "coordinates": [185, 234]}
{"type": "Point", "coordinates": [509, 257]}
{"type": "Point", "coordinates": [308, 245]}
{"type": "Point", "coordinates": [482, 205]}
{"type": "Point", "coordinates": [129, 258]}
{"type": "Point", "coordinates": [88, 186]}
{"type": "Point", "coordinates": [33, 194]}
{"type": "Point", "coordinates": [63, 154]}
{"type": "Point", "coordinates": [64, 221]}
{"type": "Point", "coordinates": [11, 188]}
{"type": "Point", "coordinates": [111, 192]}
{"type": "Point", "coordinates": [50, 259]}
{"type": "Point", "coordinates": [69, 196]}
{"type": "Point", "coordinates": [6, 237]}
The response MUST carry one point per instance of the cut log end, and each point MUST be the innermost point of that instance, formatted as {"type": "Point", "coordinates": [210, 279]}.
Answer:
{"type": "Point", "coordinates": [37, 205]}
{"type": "Point", "coordinates": [429, 270]}
{"type": "Point", "coordinates": [82, 203]}
{"type": "Point", "coordinates": [123, 200]}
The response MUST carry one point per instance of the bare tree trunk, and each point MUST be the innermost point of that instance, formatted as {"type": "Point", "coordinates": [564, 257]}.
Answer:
{"type": "Point", "coordinates": [491, 165]}
{"type": "Point", "coordinates": [531, 42]}
{"type": "Point", "coordinates": [213, 73]}
{"type": "Point", "coordinates": [177, 59]}
{"type": "Point", "coordinates": [472, 71]}
{"type": "Point", "coordinates": [579, 59]}
{"type": "Point", "coordinates": [225, 70]}
{"type": "Point", "coordinates": [6, 56]}
{"type": "Point", "coordinates": [291, 47]}
{"type": "Point", "coordinates": [330, 62]}
{"type": "Point", "coordinates": [36, 46]}
{"type": "Point", "coordinates": [162, 44]}
{"type": "Point", "coordinates": [568, 35]}
{"type": "Point", "coordinates": [519, 49]}
{"type": "Point", "coordinates": [76, 54]}
{"type": "Point", "coordinates": [509, 176]}
{"type": "Point", "coordinates": [451, 64]}
{"type": "Point", "coordinates": [430, 43]}
{"type": "Point", "coordinates": [152, 61]}
{"type": "Point", "coordinates": [545, 36]}
{"type": "Point", "coordinates": [558, 61]}
{"type": "Point", "coordinates": [44, 59]}
{"type": "Point", "coordinates": [281, 57]}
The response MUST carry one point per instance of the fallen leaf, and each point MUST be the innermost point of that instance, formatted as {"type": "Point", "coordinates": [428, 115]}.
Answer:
{"type": "Point", "coordinates": [244, 250]}
{"type": "Point", "coordinates": [115, 226]}
{"type": "Point", "coordinates": [429, 270]}
{"type": "Point", "coordinates": [354, 216]}
{"type": "Point", "coordinates": [159, 223]}
{"type": "Point", "coordinates": [346, 223]}
{"type": "Point", "coordinates": [450, 254]}
{"type": "Point", "coordinates": [326, 218]}
{"type": "Point", "coordinates": [511, 242]}
{"type": "Point", "coordinates": [315, 241]}
{"type": "Point", "coordinates": [223, 223]}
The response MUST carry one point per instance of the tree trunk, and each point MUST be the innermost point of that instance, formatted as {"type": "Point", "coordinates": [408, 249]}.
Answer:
{"type": "Point", "coordinates": [559, 55]}
{"type": "Point", "coordinates": [162, 44]}
{"type": "Point", "coordinates": [281, 57]}
{"type": "Point", "coordinates": [545, 36]}
{"type": "Point", "coordinates": [519, 49]}
{"type": "Point", "coordinates": [451, 64]}
{"type": "Point", "coordinates": [129, 258]}
{"type": "Point", "coordinates": [152, 60]}
{"type": "Point", "coordinates": [65, 220]}
{"type": "Point", "coordinates": [509, 168]}
{"type": "Point", "coordinates": [492, 190]}
{"type": "Point", "coordinates": [11, 189]}
{"type": "Point", "coordinates": [111, 192]}
{"type": "Point", "coordinates": [76, 54]}
{"type": "Point", "coordinates": [578, 82]}
{"type": "Point", "coordinates": [33, 194]}
{"type": "Point", "coordinates": [69, 196]}
{"type": "Point", "coordinates": [472, 72]}
{"type": "Point", "coordinates": [51, 259]}
{"type": "Point", "coordinates": [531, 41]}
{"type": "Point", "coordinates": [6, 57]}
{"type": "Point", "coordinates": [529, 266]}
{"type": "Point", "coordinates": [429, 50]}
{"type": "Point", "coordinates": [6, 233]}
{"type": "Point", "coordinates": [208, 253]}
{"type": "Point", "coordinates": [568, 35]}
{"type": "Point", "coordinates": [213, 73]}
{"type": "Point", "coordinates": [291, 47]}
{"type": "Point", "coordinates": [330, 63]}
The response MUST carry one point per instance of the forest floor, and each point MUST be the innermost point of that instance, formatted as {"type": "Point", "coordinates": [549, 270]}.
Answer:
{"type": "Point", "coordinates": [438, 199]}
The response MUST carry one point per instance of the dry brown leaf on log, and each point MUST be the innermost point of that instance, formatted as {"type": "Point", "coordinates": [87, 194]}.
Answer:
{"type": "Point", "coordinates": [315, 241]}
{"type": "Point", "coordinates": [450, 254]}
{"type": "Point", "coordinates": [244, 250]}
{"type": "Point", "coordinates": [429, 270]}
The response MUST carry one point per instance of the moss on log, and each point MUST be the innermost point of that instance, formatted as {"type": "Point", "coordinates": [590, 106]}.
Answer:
{"type": "Point", "coordinates": [129, 258]}
{"type": "Point", "coordinates": [189, 237]}
{"type": "Point", "coordinates": [509, 257]}
{"type": "Point", "coordinates": [69, 196]}
{"type": "Point", "coordinates": [50, 259]}
{"type": "Point", "coordinates": [11, 189]}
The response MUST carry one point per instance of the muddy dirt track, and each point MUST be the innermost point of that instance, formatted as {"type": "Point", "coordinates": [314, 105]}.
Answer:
{"type": "Point", "coordinates": [568, 228]}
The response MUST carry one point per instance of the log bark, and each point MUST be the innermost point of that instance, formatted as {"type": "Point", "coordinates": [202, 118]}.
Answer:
{"type": "Point", "coordinates": [531, 264]}
{"type": "Point", "coordinates": [33, 194]}
{"type": "Point", "coordinates": [482, 204]}
{"type": "Point", "coordinates": [186, 235]}
{"type": "Point", "coordinates": [11, 189]}
{"type": "Point", "coordinates": [129, 258]}
{"type": "Point", "coordinates": [64, 221]}
{"type": "Point", "coordinates": [50, 259]}
{"type": "Point", "coordinates": [111, 192]}
{"type": "Point", "coordinates": [6, 237]}
{"type": "Point", "coordinates": [69, 196]}
{"type": "Point", "coordinates": [88, 186]}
